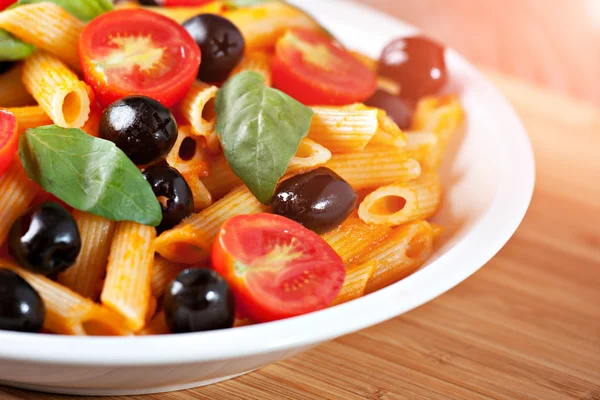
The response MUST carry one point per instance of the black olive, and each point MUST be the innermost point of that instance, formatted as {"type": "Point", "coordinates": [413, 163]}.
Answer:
{"type": "Point", "coordinates": [5, 66]}
{"type": "Point", "coordinates": [149, 2]}
{"type": "Point", "coordinates": [320, 199]}
{"type": "Point", "coordinates": [167, 182]}
{"type": "Point", "coordinates": [221, 43]}
{"type": "Point", "coordinates": [140, 126]}
{"type": "Point", "coordinates": [45, 239]}
{"type": "Point", "coordinates": [199, 300]}
{"type": "Point", "coordinates": [400, 110]}
{"type": "Point", "coordinates": [21, 307]}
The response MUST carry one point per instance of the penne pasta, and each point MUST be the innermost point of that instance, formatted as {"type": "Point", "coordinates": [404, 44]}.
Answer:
{"type": "Point", "coordinates": [443, 116]}
{"type": "Point", "coordinates": [198, 108]}
{"type": "Point", "coordinates": [17, 191]}
{"type": "Point", "coordinates": [403, 202]}
{"type": "Point", "coordinates": [257, 61]}
{"type": "Point", "coordinates": [343, 129]}
{"type": "Point", "coordinates": [437, 230]}
{"type": "Point", "coordinates": [12, 89]}
{"type": "Point", "coordinates": [353, 238]}
{"type": "Point", "coordinates": [355, 283]}
{"type": "Point", "coordinates": [157, 326]}
{"type": "Point", "coordinates": [422, 146]}
{"type": "Point", "coordinates": [90, 267]}
{"type": "Point", "coordinates": [163, 273]}
{"type": "Point", "coordinates": [263, 24]}
{"type": "Point", "coordinates": [401, 253]}
{"type": "Point", "coordinates": [375, 166]}
{"type": "Point", "coordinates": [30, 117]}
{"type": "Point", "coordinates": [69, 313]}
{"type": "Point", "coordinates": [47, 26]}
{"type": "Point", "coordinates": [57, 89]}
{"type": "Point", "coordinates": [182, 14]}
{"type": "Point", "coordinates": [388, 132]}
{"type": "Point", "coordinates": [152, 307]}
{"type": "Point", "coordinates": [202, 197]}
{"type": "Point", "coordinates": [221, 179]}
{"type": "Point", "coordinates": [191, 241]}
{"type": "Point", "coordinates": [127, 285]}
{"type": "Point", "coordinates": [188, 155]}
{"type": "Point", "coordinates": [310, 155]}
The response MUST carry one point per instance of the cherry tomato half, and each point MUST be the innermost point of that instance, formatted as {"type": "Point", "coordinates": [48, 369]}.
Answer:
{"type": "Point", "coordinates": [9, 139]}
{"type": "Point", "coordinates": [315, 70]}
{"type": "Point", "coordinates": [6, 3]}
{"type": "Point", "coordinates": [138, 52]}
{"type": "Point", "coordinates": [276, 267]}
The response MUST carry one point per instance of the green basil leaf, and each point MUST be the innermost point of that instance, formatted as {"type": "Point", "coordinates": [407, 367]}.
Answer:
{"type": "Point", "coordinates": [89, 174]}
{"type": "Point", "coordinates": [13, 49]}
{"type": "Point", "coordinates": [260, 129]}
{"type": "Point", "coordinates": [85, 10]}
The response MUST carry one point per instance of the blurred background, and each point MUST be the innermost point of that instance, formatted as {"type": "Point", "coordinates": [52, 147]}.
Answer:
{"type": "Point", "coordinates": [552, 43]}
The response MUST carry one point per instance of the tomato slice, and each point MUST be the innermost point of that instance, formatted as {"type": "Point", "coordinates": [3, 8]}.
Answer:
{"type": "Point", "coordinates": [6, 3]}
{"type": "Point", "coordinates": [276, 267]}
{"type": "Point", "coordinates": [135, 51]}
{"type": "Point", "coordinates": [315, 70]}
{"type": "Point", "coordinates": [9, 139]}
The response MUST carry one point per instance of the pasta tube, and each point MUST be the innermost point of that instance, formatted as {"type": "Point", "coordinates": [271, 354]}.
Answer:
{"type": "Point", "coordinates": [96, 235]}
{"type": "Point", "coordinates": [353, 238]}
{"type": "Point", "coordinates": [355, 283]}
{"type": "Point", "coordinates": [403, 202]}
{"type": "Point", "coordinates": [130, 263]}
{"type": "Point", "coordinates": [257, 61]}
{"type": "Point", "coordinates": [191, 241]}
{"type": "Point", "coordinates": [12, 90]}
{"type": "Point", "coordinates": [342, 129]}
{"type": "Point", "coordinates": [59, 91]}
{"type": "Point", "coordinates": [163, 273]}
{"type": "Point", "coordinates": [30, 117]}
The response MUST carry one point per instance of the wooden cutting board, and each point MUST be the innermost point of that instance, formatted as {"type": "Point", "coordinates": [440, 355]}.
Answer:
{"type": "Point", "coordinates": [526, 326]}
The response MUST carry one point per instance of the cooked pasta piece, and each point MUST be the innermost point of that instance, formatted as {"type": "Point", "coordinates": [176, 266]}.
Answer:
{"type": "Point", "coordinates": [375, 166]}
{"type": "Point", "coordinates": [96, 235]}
{"type": "Point", "coordinates": [191, 241]}
{"type": "Point", "coordinates": [401, 253]}
{"type": "Point", "coordinates": [202, 197]}
{"type": "Point", "coordinates": [30, 117]}
{"type": "Point", "coordinates": [157, 326]}
{"type": "Point", "coordinates": [388, 85]}
{"type": "Point", "coordinates": [263, 25]}
{"type": "Point", "coordinates": [198, 107]}
{"type": "Point", "coordinates": [92, 125]}
{"type": "Point", "coordinates": [69, 313]}
{"type": "Point", "coordinates": [152, 307]}
{"type": "Point", "coordinates": [57, 89]}
{"type": "Point", "coordinates": [128, 4]}
{"type": "Point", "coordinates": [403, 202]}
{"type": "Point", "coordinates": [365, 59]}
{"type": "Point", "coordinates": [188, 155]}
{"type": "Point", "coordinates": [342, 129]}
{"type": "Point", "coordinates": [221, 179]}
{"type": "Point", "coordinates": [163, 273]}
{"type": "Point", "coordinates": [182, 14]}
{"type": "Point", "coordinates": [310, 155]}
{"type": "Point", "coordinates": [388, 133]}
{"type": "Point", "coordinates": [130, 263]}
{"type": "Point", "coordinates": [257, 61]}
{"type": "Point", "coordinates": [441, 115]}
{"type": "Point", "coordinates": [12, 90]}
{"type": "Point", "coordinates": [48, 26]}
{"type": "Point", "coordinates": [353, 238]}
{"type": "Point", "coordinates": [437, 230]}
{"type": "Point", "coordinates": [17, 191]}
{"type": "Point", "coordinates": [355, 283]}
{"type": "Point", "coordinates": [422, 145]}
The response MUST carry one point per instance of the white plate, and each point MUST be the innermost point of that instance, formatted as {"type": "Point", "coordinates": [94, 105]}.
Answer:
{"type": "Point", "coordinates": [489, 180]}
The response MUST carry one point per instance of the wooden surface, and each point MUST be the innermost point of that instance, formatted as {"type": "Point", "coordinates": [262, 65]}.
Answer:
{"type": "Point", "coordinates": [527, 325]}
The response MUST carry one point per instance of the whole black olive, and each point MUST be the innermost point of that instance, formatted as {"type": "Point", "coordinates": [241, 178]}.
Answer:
{"type": "Point", "coordinates": [221, 43]}
{"type": "Point", "coordinates": [45, 239]}
{"type": "Point", "coordinates": [320, 199]}
{"type": "Point", "coordinates": [140, 126]}
{"type": "Point", "coordinates": [199, 300]}
{"type": "Point", "coordinates": [167, 182]}
{"type": "Point", "coordinates": [400, 110]}
{"type": "Point", "coordinates": [21, 307]}
{"type": "Point", "coordinates": [5, 66]}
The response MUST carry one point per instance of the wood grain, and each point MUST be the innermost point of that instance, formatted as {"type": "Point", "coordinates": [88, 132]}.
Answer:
{"type": "Point", "coordinates": [526, 326]}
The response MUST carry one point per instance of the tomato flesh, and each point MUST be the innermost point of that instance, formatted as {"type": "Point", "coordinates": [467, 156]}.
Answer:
{"type": "Point", "coordinates": [138, 52]}
{"type": "Point", "coordinates": [6, 3]}
{"type": "Point", "coordinates": [276, 267]}
{"type": "Point", "coordinates": [317, 71]}
{"type": "Point", "coordinates": [9, 139]}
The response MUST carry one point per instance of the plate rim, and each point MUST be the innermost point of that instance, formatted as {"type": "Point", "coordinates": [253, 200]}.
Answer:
{"type": "Point", "coordinates": [291, 333]}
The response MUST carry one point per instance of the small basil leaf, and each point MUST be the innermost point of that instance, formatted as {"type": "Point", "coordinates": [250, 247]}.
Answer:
{"type": "Point", "coordinates": [13, 49]}
{"type": "Point", "coordinates": [85, 10]}
{"type": "Point", "coordinates": [89, 174]}
{"type": "Point", "coordinates": [260, 129]}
